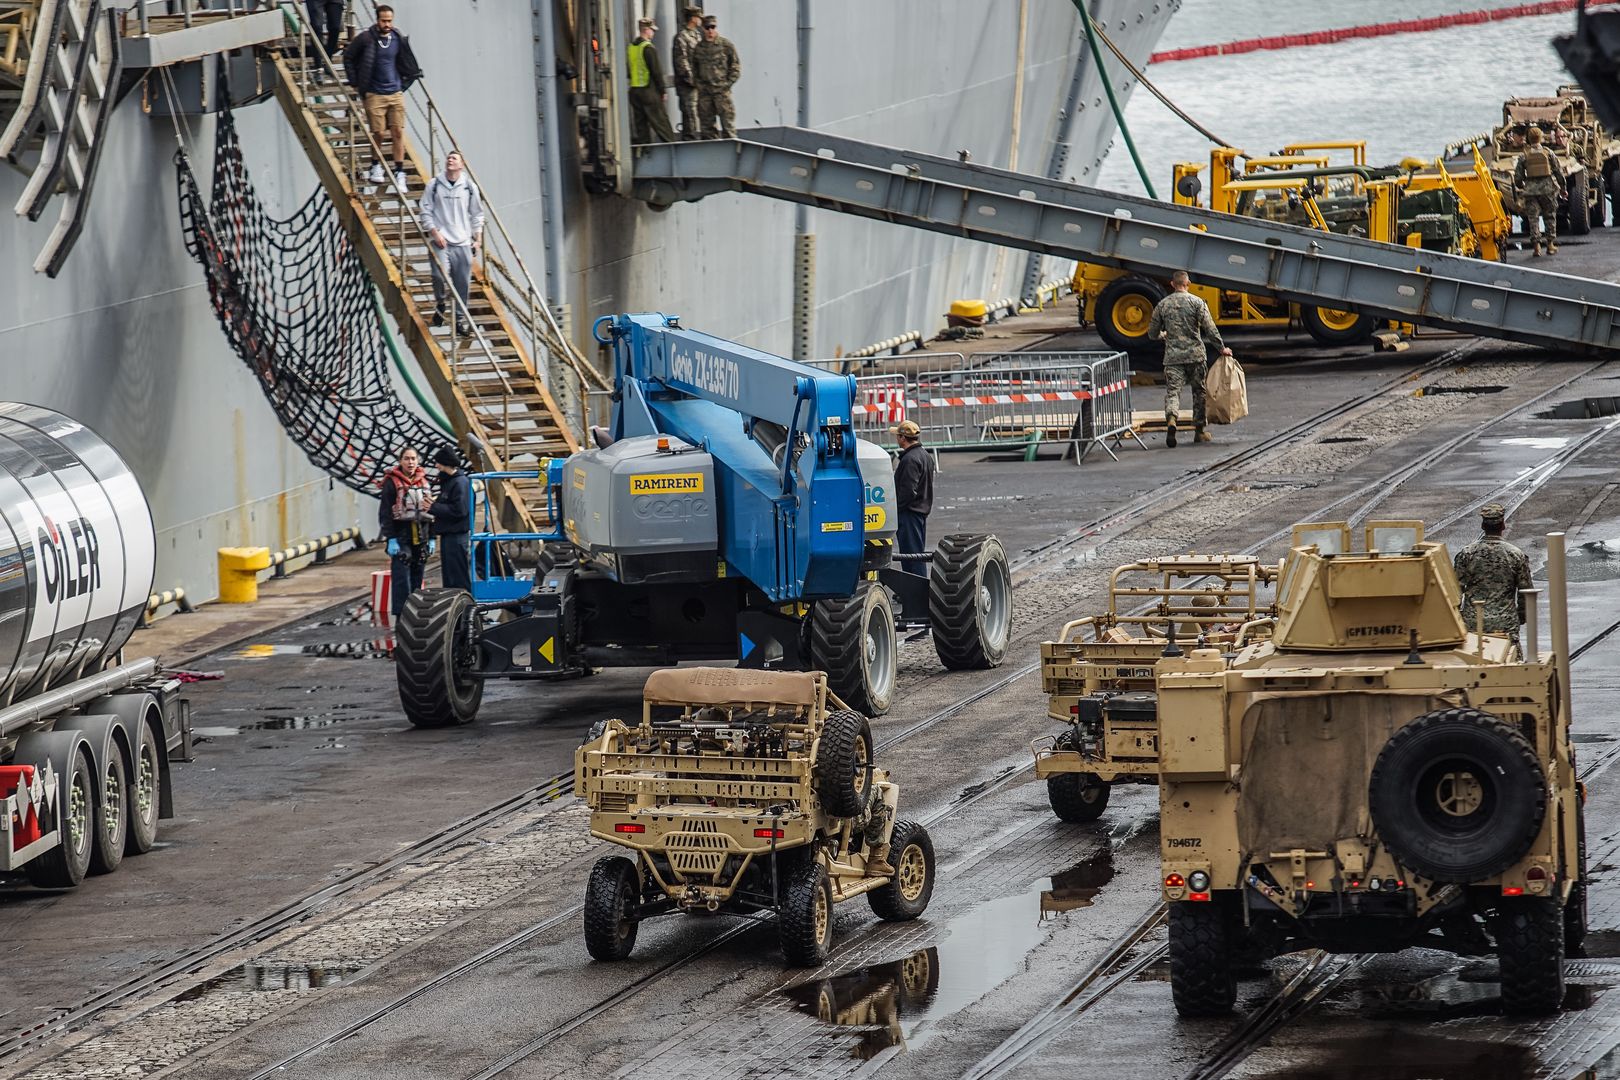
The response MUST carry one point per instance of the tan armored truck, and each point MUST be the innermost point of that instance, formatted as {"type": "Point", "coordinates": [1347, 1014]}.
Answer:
{"type": "Point", "coordinates": [1376, 775]}
{"type": "Point", "coordinates": [743, 791]}
{"type": "Point", "coordinates": [1098, 674]}
{"type": "Point", "coordinates": [1586, 153]}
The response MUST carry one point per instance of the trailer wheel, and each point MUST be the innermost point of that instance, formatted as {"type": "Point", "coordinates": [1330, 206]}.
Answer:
{"type": "Point", "coordinates": [1123, 311]}
{"type": "Point", "coordinates": [1201, 982]}
{"type": "Point", "coordinates": [843, 765]}
{"type": "Point", "coordinates": [111, 816]}
{"type": "Point", "coordinates": [1076, 797]}
{"type": "Point", "coordinates": [1337, 326]}
{"type": "Point", "coordinates": [852, 640]}
{"type": "Point", "coordinates": [65, 865]}
{"type": "Point", "coordinates": [611, 896]}
{"type": "Point", "coordinates": [145, 799]}
{"type": "Point", "coordinates": [1530, 952]}
{"type": "Point", "coordinates": [906, 896]}
{"type": "Point", "coordinates": [970, 601]}
{"type": "Point", "coordinates": [804, 923]}
{"type": "Point", "coordinates": [1457, 795]}
{"type": "Point", "coordinates": [1580, 217]}
{"type": "Point", "coordinates": [433, 659]}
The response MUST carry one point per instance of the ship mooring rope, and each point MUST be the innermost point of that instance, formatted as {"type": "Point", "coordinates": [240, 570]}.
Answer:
{"type": "Point", "coordinates": [295, 301]}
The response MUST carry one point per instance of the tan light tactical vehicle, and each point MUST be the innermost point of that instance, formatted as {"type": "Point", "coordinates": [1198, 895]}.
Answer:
{"type": "Point", "coordinates": [1587, 154]}
{"type": "Point", "coordinates": [1099, 673]}
{"type": "Point", "coordinates": [1375, 775]}
{"type": "Point", "coordinates": [742, 791]}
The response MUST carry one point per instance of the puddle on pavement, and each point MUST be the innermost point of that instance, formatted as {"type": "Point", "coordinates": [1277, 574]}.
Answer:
{"type": "Point", "coordinates": [1552, 442]}
{"type": "Point", "coordinates": [901, 1003]}
{"type": "Point", "coordinates": [1601, 944]}
{"type": "Point", "coordinates": [256, 976]}
{"type": "Point", "coordinates": [377, 649]}
{"type": "Point", "coordinates": [354, 616]}
{"type": "Point", "coordinates": [1158, 971]}
{"type": "Point", "coordinates": [1413, 1055]}
{"type": "Point", "coordinates": [1596, 560]}
{"type": "Point", "coordinates": [1452, 996]}
{"type": "Point", "coordinates": [1586, 408]}
{"type": "Point", "coordinates": [1430, 391]}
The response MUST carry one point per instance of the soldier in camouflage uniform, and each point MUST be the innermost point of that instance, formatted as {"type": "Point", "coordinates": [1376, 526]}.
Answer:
{"type": "Point", "coordinates": [1183, 322]}
{"type": "Point", "coordinates": [686, 40]}
{"type": "Point", "coordinates": [876, 831]}
{"type": "Point", "coordinates": [715, 69]}
{"type": "Point", "coordinates": [1538, 183]}
{"type": "Point", "coordinates": [1492, 571]}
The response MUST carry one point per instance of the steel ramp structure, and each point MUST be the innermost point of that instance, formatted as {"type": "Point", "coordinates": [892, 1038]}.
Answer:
{"type": "Point", "coordinates": [1141, 235]}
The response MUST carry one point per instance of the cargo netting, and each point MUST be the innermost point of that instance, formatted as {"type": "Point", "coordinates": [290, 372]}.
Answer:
{"type": "Point", "coordinates": [296, 303]}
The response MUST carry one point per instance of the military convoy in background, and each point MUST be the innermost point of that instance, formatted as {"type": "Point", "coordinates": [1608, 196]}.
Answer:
{"type": "Point", "coordinates": [1587, 154]}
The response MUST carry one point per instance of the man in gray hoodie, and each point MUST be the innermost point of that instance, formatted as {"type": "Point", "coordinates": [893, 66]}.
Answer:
{"type": "Point", "coordinates": [453, 216]}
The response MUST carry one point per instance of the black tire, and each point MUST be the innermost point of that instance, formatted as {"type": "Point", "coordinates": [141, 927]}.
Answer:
{"type": "Point", "coordinates": [112, 815]}
{"type": "Point", "coordinates": [1076, 797]}
{"type": "Point", "coordinates": [1201, 979]}
{"type": "Point", "coordinates": [65, 865]}
{"type": "Point", "coordinates": [906, 896]}
{"type": "Point", "coordinates": [1122, 311]}
{"type": "Point", "coordinates": [1575, 902]}
{"type": "Point", "coordinates": [844, 765]}
{"type": "Point", "coordinates": [1600, 207]}
{"type": "Point", "coordinates": [145, 796]}
{"type": "Point", "coordinates": [611, 896]}
{"type": "Point", "coordinates": [804, 923]}
{"type": "Point", "coordinates": [431, 659]}
{"type": "Point", "coordinates": [1580, 218]}
{"type": "Point", "coordinates": [970, 601]}
{"type": "Point", "coordinates": [853, 641]}
{"type": "Point", "coordinates": [1327, 326]}
{"type": "Point", "coordinates": [1447, 831]}
{"type": "Point", "coordinates": [1529, 934]}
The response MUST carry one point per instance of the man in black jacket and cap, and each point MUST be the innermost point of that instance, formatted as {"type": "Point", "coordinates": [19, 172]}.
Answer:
{"type": "Point", "coordinates": [452, 520]}
{"type": "Point", "coordinates": [913, 496]}
{"type": "Point", "coordinates": [380, 66]}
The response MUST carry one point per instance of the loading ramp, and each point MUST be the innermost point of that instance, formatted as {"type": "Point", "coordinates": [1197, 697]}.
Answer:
{"type": "Point", "coordinates": [1141, 235]}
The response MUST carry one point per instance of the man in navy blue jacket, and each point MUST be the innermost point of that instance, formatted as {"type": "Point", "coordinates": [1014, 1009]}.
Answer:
{"type": "Point", "coordinates": [452, 520]}
{"type": "Point", "coordinates": [380, 66]}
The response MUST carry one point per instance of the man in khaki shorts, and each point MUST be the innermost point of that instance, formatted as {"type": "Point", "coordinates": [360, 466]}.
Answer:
{"type": "Point", "coordinates": [381, 67]}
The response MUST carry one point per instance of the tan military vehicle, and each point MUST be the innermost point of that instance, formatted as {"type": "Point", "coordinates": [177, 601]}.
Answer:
{"type": "Point", "coordinates": [1099, 674]}
{"type": "Point", "coordinates": [1586, 153]}
{"type": "Point", "coordinates": [739, 792]}
{"type": "Point", "coordinates": [1376, 775]}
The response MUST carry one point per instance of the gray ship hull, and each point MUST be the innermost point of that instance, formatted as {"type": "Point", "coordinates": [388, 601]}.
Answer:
{"type": "Point", "coordinates": [125, 340]}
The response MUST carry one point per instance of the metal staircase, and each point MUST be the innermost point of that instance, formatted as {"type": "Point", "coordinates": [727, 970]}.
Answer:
{"type": "Point", "coordinates": [487, 382]}
{"type": "Point", "coordinates": [1016, 210]}
{"type": "Point", "coordinates": [66, 96]}
{"type": "Point", "coordinates": [25, 25]}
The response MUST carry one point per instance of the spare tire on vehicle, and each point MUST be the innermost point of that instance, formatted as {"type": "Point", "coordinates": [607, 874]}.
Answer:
{"type": "Point", "coordinates": [844, 764]}
{"type": "Point", "coordinates": [1457, 795]}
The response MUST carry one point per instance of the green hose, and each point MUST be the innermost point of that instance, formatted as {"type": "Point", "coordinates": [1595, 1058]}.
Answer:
{"type": "Point", "coordinates": [429, 406]}
{"type": "Point", "coordinates": [1113, 102]}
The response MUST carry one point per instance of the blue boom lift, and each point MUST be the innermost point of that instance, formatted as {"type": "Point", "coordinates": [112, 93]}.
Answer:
{"type": "Point", "coordinates": [729, 513]}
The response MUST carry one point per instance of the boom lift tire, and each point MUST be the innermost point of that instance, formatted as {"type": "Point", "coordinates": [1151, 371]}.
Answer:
{"type": "Point", "coordinates": [906, 896]}
{"type": "Point", "coordinates": [428, 639]}
{"type": "Point", "coordinates": [1201, 981]}
{"type": "Point", "coordinates": [611, 896]}
{"type": "Point", "coordinates": [1580, 218]}
{"type": "Point", "coordinates": [804, 923]}
{"type": "Point", "coordinates": [1457, 795]}
{"type": "Point", "coordinates": [1122, 311]}
{"type": "Point", "coordinates": [1332, 326]}
{"type": "Point", "coordinates": [970, 601]}
{"type": "Point", "coordinates": [65, 865]}
{"type": "Point", "coordinates": [112, 816]}
{"type": "Point", "coordinates": [844, 765]}
{"type": "Point", "coordinates": [145, 798]}
{"type": "Point", "coordinates": [1529, 934]}
{"type": "Point", "coordinates": [1076, 797]}
{"type": "Point", "coordinates": [852, 640]}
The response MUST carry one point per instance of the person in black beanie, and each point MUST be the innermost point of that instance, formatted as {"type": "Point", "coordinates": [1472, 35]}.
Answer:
{"type": "Point", "coordinates": [452, 520]}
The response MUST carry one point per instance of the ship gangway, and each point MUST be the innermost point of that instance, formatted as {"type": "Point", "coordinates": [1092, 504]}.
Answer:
{"type": "Point", "coordinates": [1140, 235]}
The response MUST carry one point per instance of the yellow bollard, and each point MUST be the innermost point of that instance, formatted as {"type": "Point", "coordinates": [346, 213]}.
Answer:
{"type": "Point", "coordinates": [239, 573]}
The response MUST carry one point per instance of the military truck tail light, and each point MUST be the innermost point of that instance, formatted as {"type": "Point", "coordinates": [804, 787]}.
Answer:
{"type": "Point", "coordinates": [1198, 896]}
{"type": "Point", "coordinates": [1512, 890]}
{"type": "Point", "coordinates": [1174, 881]}
{"type": "Point", "coordinates": [1198, 881]}
{"type": "Point", "coordinates": [630, 827]}
{"type": "Point", "coordinates": [1074, 710]}
{"type": "Point", "coordinates": [769, 834]}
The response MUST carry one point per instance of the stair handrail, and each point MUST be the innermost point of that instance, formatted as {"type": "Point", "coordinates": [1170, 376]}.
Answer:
{"type": "Point", "coordinates": [309, 47]}
{"type": "Point", "coordinates": [424, 111]}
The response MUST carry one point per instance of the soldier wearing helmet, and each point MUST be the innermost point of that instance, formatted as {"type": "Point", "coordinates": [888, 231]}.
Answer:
{"type": "Point", "coordinates": [1539, 184]}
